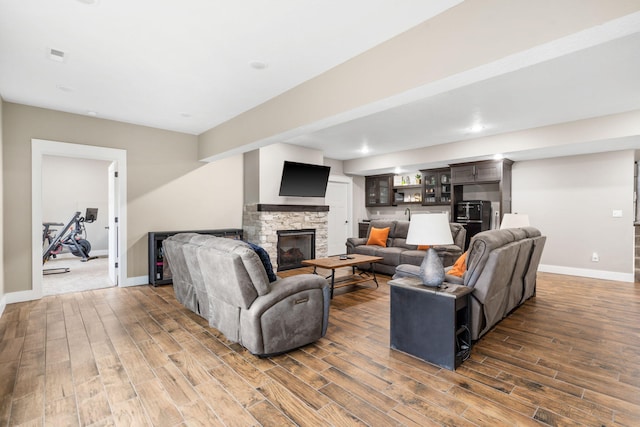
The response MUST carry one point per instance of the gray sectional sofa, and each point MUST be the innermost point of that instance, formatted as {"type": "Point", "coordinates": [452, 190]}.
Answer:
{"type": "Point", "coordinates": [226, 282]}
{"type": "Point", "coordinates": [501, 267]}
{"type": "Point", "coordinates": [399, 252]}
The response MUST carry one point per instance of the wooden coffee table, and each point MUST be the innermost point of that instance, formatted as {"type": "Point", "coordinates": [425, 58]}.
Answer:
{"type": "Point", "coordinates": [334, 262]}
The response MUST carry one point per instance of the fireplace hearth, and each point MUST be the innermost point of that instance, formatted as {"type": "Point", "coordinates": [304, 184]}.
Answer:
{"type": "Point", "coordinates": [294, 246]}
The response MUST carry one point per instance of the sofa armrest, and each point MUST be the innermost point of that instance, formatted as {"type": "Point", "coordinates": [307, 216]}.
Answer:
{"type": "Point", "coordinates": [408, 270]}
{"type": "Point", "coordinates": [294, 313]}
{"type": "Point", "coordinates": [450, 249]}
{"type": "Point", "coordinates": [448, 253]}
{"type": "Point", "coordinates": [352, 242]}
{"type": "Point", "coordinates": [283, 288]}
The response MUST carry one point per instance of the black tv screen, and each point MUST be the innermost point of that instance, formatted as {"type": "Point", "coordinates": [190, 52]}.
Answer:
{"type": "Point", "coordinates": [304, 180]}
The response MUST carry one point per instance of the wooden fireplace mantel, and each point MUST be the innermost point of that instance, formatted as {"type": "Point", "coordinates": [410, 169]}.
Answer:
{"type": "Point", "coordinates": [291, 208]}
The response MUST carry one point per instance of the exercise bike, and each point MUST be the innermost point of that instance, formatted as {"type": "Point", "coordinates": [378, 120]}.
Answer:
{"type": "Point", "coordinates": [73, 236]}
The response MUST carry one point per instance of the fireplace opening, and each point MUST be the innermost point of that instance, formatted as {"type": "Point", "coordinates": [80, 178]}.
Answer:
{"type": "Point", "coordinates": [294, 246]}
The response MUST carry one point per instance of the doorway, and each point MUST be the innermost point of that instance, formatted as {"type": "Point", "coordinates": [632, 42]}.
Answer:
{"type": "Point", "coordinates": [115, 214]}
{"type": "Point", "coordinates": [340, 227]}
{"type": "Point", "coordinates": [72, 185]}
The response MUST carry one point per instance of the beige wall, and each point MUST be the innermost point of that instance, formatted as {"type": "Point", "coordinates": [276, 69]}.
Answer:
{"type": "Point", "coordinates": [167, 188]}
{"type": "Point", "coordinates": [70, 185]}
{"type": "Point", "coordinates": [252, 177]}
{"type": "Point", "coordinates": [335, 165]}
{"type": "Point", "coordinates": [2, 291]}
{"type": "Point", "coordinates": [465, 37]}
{"type": "Point", "coordinates": [592, 134]}
{"type": "Point", "coordinates": [571, 199]}
{"type": "Point", "coordinates": [272, 160]}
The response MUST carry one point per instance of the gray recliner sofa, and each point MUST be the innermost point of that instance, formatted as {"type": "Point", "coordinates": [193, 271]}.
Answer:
{"type": "Point", "coordinates": [501, 266]}
{"type": "Point", "coordinates": [225, 281]}
{"type": "Point", "coordinates": [399, 252]}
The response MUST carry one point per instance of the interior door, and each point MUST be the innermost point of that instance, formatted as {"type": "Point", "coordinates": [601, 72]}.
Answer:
{"type": "Point", "coordinates": [114, 256]}
{"type": "Point", "coordinates": [337, 197]}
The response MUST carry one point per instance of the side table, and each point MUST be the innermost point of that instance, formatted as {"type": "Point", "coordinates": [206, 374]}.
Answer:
{"type": "Point", "coordinates": [431, 323]}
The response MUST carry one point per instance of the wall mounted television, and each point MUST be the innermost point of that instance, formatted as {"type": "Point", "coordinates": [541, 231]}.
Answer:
{"type": "Point", "coordinates": [304, 180]}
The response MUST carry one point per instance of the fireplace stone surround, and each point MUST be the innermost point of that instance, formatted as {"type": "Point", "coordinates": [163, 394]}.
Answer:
{"type": "Point", "coordinates": [261, 222]}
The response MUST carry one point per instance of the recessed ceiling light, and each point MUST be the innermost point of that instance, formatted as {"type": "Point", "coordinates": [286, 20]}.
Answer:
{"type": "Point", "coordinates": [498, 156]}
{"type": "Point", "coordinates": [64, 88]}
{"type": "Point", "coordinates": [185, 114]}
{"type": "Point", "coordinates": [92, 113]}
{"type": "Point", "coordinates": [364, 149]}
{"type": "Point", "coordinates": [89, 2]}
{"type": "Point", "coordinates": [476, 128]}
{"type": "Point", "coordinates": [258, 65]}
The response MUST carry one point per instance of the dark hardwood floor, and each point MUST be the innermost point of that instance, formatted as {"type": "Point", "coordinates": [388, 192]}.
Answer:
{"type": "Point", "coordinates": [134, 356]}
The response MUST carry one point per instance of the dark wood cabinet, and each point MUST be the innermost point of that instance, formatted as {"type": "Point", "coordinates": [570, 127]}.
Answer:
{"type": "Point", "coordinates": [490, 178]}
{"type": "Point", "coordinates": [461, 174]}
{"type": "Point", "coordinates": [479, 172]}
{"type": "Point", "coordinates": [379, 191]}
{"type": "Point", "coordinates": [436, 188]}
{"type": "Point", "coordinates": [159, 271]}
{"type": "Point", "coordinates": [407, 189]}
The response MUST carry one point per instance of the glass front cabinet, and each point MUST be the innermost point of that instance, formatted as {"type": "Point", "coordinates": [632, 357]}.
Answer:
{"type": "Point", "coordinates": [437, 186]}
{"type": "Point", "coordinates": [379, 190]}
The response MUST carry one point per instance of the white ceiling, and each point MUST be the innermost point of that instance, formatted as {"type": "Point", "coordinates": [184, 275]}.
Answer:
{"type": "Point", "coordinates": [593, 82]}
{"type": "Point", "coordinates": [185, 66]}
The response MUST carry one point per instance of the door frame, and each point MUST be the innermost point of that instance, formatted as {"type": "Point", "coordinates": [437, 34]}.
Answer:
{"type": "Point", "coordinates": [40, 148]}
{"type": "Point", "coordinates": [114, 215]}
{"type": "Point", "coordinates": [349, 181]}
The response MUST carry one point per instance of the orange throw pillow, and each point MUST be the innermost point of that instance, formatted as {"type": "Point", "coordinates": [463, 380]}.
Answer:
{"type": "Point", "coordinates": [423, 247]}
{"type": "Point", "coordinates": [378, 236]}
{"type": "Point", "coordinates": [460, 266]}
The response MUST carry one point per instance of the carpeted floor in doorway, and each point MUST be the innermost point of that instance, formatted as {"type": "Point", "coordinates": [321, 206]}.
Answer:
{"type": "Point", "coordinates": [82, 276]}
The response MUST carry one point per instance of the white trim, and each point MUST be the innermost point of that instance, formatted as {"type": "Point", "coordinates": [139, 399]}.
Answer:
{"type": "Point", "coordinates": [20, 296]}
{"type": "Point", "coordinates": [3, 304]}
{"type": "Point", "coordinates": [40, 148]}
{"type": "Point", "coordinates": [96, 252]}
{"type": "Point", "coordinates": [341, 178]}
{"type": "Point", "coordinates": [585, 272]}
{"type": "Point", "coordinates": [349, 181]}
{"type": "Point", "coordinates": [136, 281]}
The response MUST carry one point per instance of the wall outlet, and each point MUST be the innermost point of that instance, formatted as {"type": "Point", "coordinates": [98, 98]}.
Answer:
{"type": "Point", "coordinates": [595, 257]}
{"type": "Point", "coordinates": [617, 213]}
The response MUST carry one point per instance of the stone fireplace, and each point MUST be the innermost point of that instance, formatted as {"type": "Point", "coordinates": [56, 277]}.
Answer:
{"type": "Point", "coordinates": [262, 222]}
{"type": "Point", "coordinates": [294, 246]}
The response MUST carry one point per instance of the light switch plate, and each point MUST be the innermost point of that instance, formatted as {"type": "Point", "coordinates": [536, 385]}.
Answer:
{"type": "Point", "coordinates": [617, 213]}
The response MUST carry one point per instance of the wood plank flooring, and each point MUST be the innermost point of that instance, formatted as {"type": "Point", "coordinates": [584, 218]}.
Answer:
{"type": "Point", "coordinates": [134, 356]}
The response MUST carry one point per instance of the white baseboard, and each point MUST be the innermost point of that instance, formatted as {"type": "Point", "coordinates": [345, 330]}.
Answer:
{"type": "Point", "coordinates": [22, 296]}
{"type": "Point", "coordinates": [3, 304]}
{"type": "Point", "coordinates": [97, 252]}
{"type": "Point", "coordinates": [136, 281]}
{"type": "Point", "coordinates": [585, 272]}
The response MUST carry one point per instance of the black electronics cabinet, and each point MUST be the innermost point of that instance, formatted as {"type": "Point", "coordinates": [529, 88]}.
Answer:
{"type": "Point", "coordinates": [159, 271]}
{"type": "Point", "coordinates": [432, 324]}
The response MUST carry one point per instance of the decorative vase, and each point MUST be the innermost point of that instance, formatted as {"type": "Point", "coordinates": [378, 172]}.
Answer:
{"type": "Point", "coordinates": [431, 269]}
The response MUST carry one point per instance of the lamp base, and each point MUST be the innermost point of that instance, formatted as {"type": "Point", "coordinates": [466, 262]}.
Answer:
{"type": "Point", "coordinates": [431, 269]}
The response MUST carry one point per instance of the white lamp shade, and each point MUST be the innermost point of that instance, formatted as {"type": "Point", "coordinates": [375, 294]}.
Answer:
{"type": "Point", "coordinates": [514, 221]}
{"type": "Point", "coordinates": [429, 229]}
